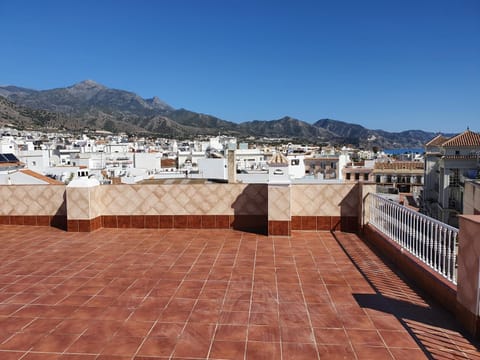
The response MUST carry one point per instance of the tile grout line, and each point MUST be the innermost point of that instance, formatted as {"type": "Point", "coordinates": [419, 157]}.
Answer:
{"type": "Point", "coordinates": [305, 303]}
{"type": "Point", "coordinates": [224, 296]}
{"type": "Point", "coordinates": [277, 297]}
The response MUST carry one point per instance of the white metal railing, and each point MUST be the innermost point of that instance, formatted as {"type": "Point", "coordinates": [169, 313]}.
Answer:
{"type": "Point", "coordinates": [433, 242]}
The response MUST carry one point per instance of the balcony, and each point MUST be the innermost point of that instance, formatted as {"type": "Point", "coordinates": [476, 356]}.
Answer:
{"type": "Point", "coordinates": [194, 281]}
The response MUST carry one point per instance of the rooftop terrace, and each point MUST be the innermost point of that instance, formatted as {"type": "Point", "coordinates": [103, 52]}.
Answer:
{"type": "Point", "coordinates": [217, 294]}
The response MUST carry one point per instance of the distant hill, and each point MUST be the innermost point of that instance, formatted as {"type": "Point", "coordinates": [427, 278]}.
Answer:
{"type": "Point", "coordinates": [89, 104]}
{"type": "Point", "coordinates": [359, 136]}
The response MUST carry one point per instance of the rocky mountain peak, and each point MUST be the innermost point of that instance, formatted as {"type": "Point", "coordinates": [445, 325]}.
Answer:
{"type": "Point", "coordinates": [88, 84]}
{"type": "Point", "coordinates": [156, 103]}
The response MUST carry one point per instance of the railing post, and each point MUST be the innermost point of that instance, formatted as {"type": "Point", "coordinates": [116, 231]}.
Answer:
{"type": "Point", "coordinates": [468, 286]}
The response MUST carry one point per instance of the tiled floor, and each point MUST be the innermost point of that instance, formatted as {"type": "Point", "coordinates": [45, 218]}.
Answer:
{"type": "Point", "coordinates": [220, 294]}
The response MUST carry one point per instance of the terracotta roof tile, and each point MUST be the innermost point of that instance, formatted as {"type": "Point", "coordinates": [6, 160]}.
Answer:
{"type": "Point", "coordinates": [437, 141]}
{"type": "Point", "coordinates": [465, 139]}
{"type": "Point", "coordinates": [41, 177]}
{"type": "Point", "coordinates": [278, 159]}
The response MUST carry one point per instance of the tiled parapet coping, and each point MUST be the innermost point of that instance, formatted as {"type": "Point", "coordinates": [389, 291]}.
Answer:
{"type": "Point", "coordinates": [468, 288]}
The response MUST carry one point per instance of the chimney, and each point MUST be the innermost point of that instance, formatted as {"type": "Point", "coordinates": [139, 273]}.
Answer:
{"type": "Point", "coordinates": [232, 169]}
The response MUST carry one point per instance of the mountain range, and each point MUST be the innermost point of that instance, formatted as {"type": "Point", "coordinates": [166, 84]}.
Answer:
{"type": "Point", "coordinates": [91, 105]}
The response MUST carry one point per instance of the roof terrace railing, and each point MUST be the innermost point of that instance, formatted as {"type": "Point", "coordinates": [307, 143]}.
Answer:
{"type": "Point", "coordinates": [431, 241]}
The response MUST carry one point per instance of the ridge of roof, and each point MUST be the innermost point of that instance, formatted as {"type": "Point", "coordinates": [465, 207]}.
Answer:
{"type": "Point", "coordinates": [465, 139]}
{"type": "Point", "coordinates": [437, 140]}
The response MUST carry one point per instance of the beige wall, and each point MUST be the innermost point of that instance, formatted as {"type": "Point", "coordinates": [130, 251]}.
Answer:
{"type": "Point", "coordinates": [325, 200]}
{"type": "Point", "coordinates": [469, 263]}
{"type": "Point", "coordinates": [279, 202]}
{"type": "Point", "coordinates": [30, 200]}
{"type": "Point", "coordinates": [471, 198]}
{"type": "Point", "coordinates": [181, 199]}
{"type": "Point", "coordinates": [178, 199]}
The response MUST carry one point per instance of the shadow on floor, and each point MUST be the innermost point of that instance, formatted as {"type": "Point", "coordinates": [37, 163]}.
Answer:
{"type": "Point", "coordinates": [433, 328]}
{"type": "Point", "coordinates": [404, 310]}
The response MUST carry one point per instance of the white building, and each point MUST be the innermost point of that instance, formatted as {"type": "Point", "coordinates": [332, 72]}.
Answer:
{"type": "Point", "coordinates": [448, 164]}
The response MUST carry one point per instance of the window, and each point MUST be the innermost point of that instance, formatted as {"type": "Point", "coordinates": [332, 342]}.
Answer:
{"type": "Point", "coordinates": [295, 162]}
{"type": "Point", "coordinates": [348, 176]}
{"type": "Point", "coordinates": [357, 176]}
{"type": "Point", "coordinates": [365, 177]}
{"type": "Point", "coordinates": [454, 178]}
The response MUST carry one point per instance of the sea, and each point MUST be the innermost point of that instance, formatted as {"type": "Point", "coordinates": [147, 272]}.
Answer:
{"type": "Point", "coordinates": [404, 151]}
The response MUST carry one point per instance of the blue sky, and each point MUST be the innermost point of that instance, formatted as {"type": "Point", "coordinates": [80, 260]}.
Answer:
{"type": "Point", "coordinates": [383, 64]}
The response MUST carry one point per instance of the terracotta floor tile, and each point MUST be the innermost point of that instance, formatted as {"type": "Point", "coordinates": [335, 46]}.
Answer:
{"type": "Point", "coordinates": [157, 346]}
{"type": "Point", "coordinates": [21, 341]}
{"type": "Point", "coordinates": [410, 354]}
{"type": "Point", "coordinates": [205, 316]}
{"type": "Point", "coordinates": [387, 323]}
{"type": "Point", "coordinates": [88, 344]}
{"type": "Point", "coordinates": [263, 350]}
{"type": "Point", "coordinates": [176, 287]}
{"type": "Point", "coordinates": [132, 328]}
{"type": "Point", "coordinates": [234, 317]}
{"type": "Point", "coordinates": [71, 326]}
{"type": "Point", "coordinates": [42, 326]}
{"type": "Point", "coordinates": [124, 346]}
{"type": "Point", "coordinates": [336, 352]}
{"type": "Point", "coordinates": [398, 339]}
{"type": "Point", "coordinates": [264, 319]}
{"type": "Point", "coordinates": [11, 355]}
{"type": "Point", "coordinates": [263, 333]}
{"type": "Point", "coordinates": [297, 334]}
{"type": "Point", "coordinates": [192, 348]}
{"type": "Point", "coordinates": [170, 330]}
{"type": "Point", "coordinates": [40, 356]}
{"type": "Point", "coordinates": [227, 350]}
{"type": "Point", "coordinates": [54, 343]}
{"type": "Point", "coordinates": [103, 328]}
{"type": "Point", "coordinates": [357, 322]}
{"type": "Point", "coordinates": [299, 351]}
{"type": "Point", "coordinates": [231, 333]}
{"type": "Point", "coordinates": [365, 337]}
{"type": "Point", "coordinates": [330, 336]}
{"type": "Point", "coordinates": [371, 352]}
{"type": "Point", "coordinates": [198, 331]}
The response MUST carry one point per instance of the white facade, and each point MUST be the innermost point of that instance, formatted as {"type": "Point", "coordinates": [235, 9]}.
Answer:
{"type": "Point", "coordinates": [36, 160]}
{"type": "Point", "coordinates": [296, 166]}
{"type": "Point", "coordinates": [213, 168]}
{"type": "Point", "coordinates": [147, 161]}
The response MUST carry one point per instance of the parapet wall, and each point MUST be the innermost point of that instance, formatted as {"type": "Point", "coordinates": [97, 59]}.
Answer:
{"type": "Point", "coordinates": [43, 205]}
{"type": "Point", "coordinates": [275, 209]}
